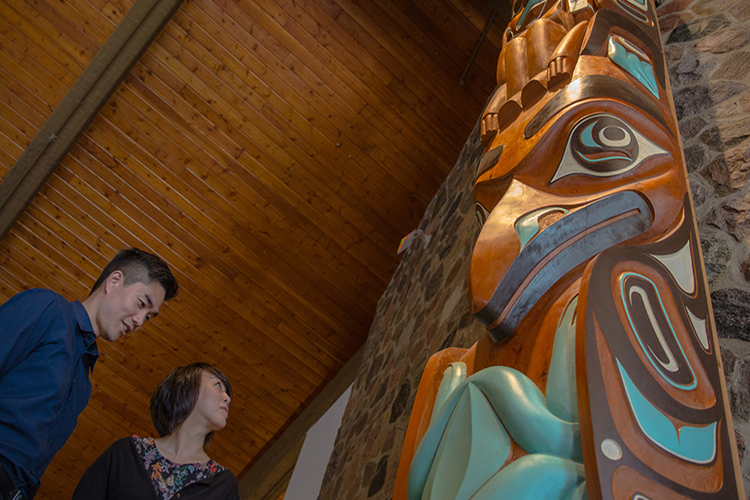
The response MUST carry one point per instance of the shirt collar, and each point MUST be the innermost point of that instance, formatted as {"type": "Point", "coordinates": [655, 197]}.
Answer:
{"type": "Point", "coordinates": [87, 331]}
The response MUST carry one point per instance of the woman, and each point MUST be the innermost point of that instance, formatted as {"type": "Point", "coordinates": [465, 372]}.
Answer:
{"type": "Point", "coordinates": [187, 407]}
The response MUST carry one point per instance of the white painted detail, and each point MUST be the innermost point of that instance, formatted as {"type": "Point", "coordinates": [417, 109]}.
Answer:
{"type": "Point", "coordinates": [680, 265]}
{"type": "Point", "coordinates": [612, 143]}
{"type": "Point", "coordinates": [611, 450]}
{"type": "Point", "coordinates": [638, 5]}
{"type": "Point", "coordinates": [576, 5]}
{"type": "Point", "coordinates": [699, 325]}
{"type": "Point", "coordinates": [631, 47]}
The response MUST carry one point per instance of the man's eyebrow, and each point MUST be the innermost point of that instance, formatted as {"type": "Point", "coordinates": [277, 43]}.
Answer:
{"type": "Point", "coordinates": [150, 302]}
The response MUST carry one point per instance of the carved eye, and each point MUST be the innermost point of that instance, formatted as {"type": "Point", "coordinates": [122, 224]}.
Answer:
{"type": "Point", "coordinates": [602, 145]}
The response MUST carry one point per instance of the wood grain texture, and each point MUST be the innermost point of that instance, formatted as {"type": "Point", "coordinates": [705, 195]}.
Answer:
{"type": "Point", "coordinates": [273, 153]}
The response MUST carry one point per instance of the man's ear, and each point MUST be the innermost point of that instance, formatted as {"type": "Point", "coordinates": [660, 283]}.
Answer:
{"type": "Point", "coordinates": [113, 280]}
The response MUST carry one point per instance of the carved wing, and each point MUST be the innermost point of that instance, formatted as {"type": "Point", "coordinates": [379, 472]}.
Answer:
{"type": "Point", "coordinates": [654, 414]}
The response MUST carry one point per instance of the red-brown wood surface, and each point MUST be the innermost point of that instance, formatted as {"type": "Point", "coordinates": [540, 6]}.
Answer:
{"type": "Point", "coordinates": [273, 153]}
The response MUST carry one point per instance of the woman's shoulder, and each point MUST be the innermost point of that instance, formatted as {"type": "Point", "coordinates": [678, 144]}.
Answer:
{"type": "Point", "coordinates": [225, 483]}
{"type": "Point", "coordinates": [122, 444]}
{"type": "Point", "coordinates": [133, 446]}
{"type": "Point", "coordinates": [213, 467]}
{"type": "Point", "coordinates": [121, 453]}
{"type": "Point", "coordinates": [140, 442]}
{"type": "Point", "coordinates": [226, 473]}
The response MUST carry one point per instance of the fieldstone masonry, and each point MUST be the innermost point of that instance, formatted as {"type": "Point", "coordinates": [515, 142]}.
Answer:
{"type": "Point", "coordinates": [425, 308]}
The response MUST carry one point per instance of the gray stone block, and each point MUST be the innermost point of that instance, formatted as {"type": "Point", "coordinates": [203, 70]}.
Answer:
{"type": "Point", "coordinates": [698, 28]}
{"type": "Point", "coordinates": [717, 256]}
{"type": "Point", "coordinates": [693, 100]}
{"type": "Point", "coordinates": [729, 172]}
{"type": "Point", "coordinates": [732, 314]}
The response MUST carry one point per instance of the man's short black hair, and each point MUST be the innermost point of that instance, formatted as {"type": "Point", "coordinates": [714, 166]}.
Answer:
{"type": "Point", "coordinates": [177, 394]}
{"type": "Point", "coordinates": [138, 266]}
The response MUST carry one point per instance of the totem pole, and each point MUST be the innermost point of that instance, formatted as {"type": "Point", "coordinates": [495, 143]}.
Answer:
{"type": "Point", "coordinates": [600, 376]}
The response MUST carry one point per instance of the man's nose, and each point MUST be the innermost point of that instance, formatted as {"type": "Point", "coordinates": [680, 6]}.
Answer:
{"type": "Point", "coordinates": [139, 319]}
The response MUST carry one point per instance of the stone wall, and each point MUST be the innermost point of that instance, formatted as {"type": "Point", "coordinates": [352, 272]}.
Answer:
{"type": "Point", "coordinates": [425, 308]}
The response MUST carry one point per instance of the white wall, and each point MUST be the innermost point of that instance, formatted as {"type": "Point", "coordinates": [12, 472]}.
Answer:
{"type": "Point", "coordinates": [316, 450]}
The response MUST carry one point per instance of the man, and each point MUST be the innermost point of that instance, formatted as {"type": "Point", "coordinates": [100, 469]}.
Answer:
{"type": "Point", "coordinates": [47, 351]}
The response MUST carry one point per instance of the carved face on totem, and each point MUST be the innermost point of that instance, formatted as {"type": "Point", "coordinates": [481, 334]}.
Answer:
{"type": "Point", "coordinates": [569, 173]}
{"type": "Point", "coordinates": [583, 185]}
{"type": "Point", "coordinates": [589, 260]}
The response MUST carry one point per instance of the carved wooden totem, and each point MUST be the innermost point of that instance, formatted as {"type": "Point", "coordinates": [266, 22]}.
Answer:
{"type": "Point", "coordinates": [601, 374]}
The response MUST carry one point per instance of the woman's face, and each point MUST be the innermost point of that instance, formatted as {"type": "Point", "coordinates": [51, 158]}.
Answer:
{"type": "Point", "coordinates": [213, 401]}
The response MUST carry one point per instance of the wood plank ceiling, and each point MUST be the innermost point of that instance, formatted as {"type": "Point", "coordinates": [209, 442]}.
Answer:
{"type": "Point", "coordinates": [274, 152]}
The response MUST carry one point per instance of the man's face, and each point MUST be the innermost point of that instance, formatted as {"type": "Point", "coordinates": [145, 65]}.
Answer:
{"type": "Point", "coordinates": [125, 308]}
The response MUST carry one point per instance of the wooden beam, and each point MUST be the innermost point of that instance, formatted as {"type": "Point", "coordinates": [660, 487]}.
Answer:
{"type": "Point", "coordinates": [89, 93]}
{"type": "Point", "coordinates": [268, 478]}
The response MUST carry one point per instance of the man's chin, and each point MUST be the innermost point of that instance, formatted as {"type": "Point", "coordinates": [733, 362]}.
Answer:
{"type": "Point", "coordinates": [112, 336]}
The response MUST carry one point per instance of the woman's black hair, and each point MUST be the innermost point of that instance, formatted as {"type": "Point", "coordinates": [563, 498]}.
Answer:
{"type": "Point", "coordinates": [177, 394]}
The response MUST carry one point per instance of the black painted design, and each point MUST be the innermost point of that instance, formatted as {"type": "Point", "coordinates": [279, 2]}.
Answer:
{"type": "Point", "coordinates": [654, 329]}
{"type": "Point", "coordinates": [600, 310]}
{"type": "Point", "coordinates": [632, 8]}
{"type": "Point", "coordinates": [602, 145]}
{"type": "Point", "coordinates": [605, 19]}
{"type": "Point", "coordinates": [594, 87]}
{"type": "Point", "coordinates": [489, 160]}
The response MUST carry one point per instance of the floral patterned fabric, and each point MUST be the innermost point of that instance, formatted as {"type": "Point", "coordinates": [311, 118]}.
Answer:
{"type": "Point", "coordinates": [169, 478]}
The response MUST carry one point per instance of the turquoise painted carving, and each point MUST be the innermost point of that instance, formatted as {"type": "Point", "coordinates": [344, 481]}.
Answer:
{"type": "Point", "coordinates": [536, 477]}
{"type": "Point", "coordinates": [452, 376]}
{"type": "Point", "coordinates": [562, 398]}
{"type": "Point", "coordinates": [632, 60]}
{"type": "Point", "coordinates": [476, 446]}
{"type": "Point", "coordinates": [528, 226]}
{"type": "Point", "coordinates": [694, 444]}
{"type": "Point", "coordinates": [468, 440]}
{"type": "Point", "coordinates": [671, 364]}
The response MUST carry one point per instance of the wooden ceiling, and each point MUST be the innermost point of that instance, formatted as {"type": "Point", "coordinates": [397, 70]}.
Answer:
{"type": "Point", "coordinates": [273, 152]}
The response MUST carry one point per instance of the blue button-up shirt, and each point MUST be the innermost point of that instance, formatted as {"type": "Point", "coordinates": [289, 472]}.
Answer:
{"type": "Point", "coordinates": [47, 350]}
